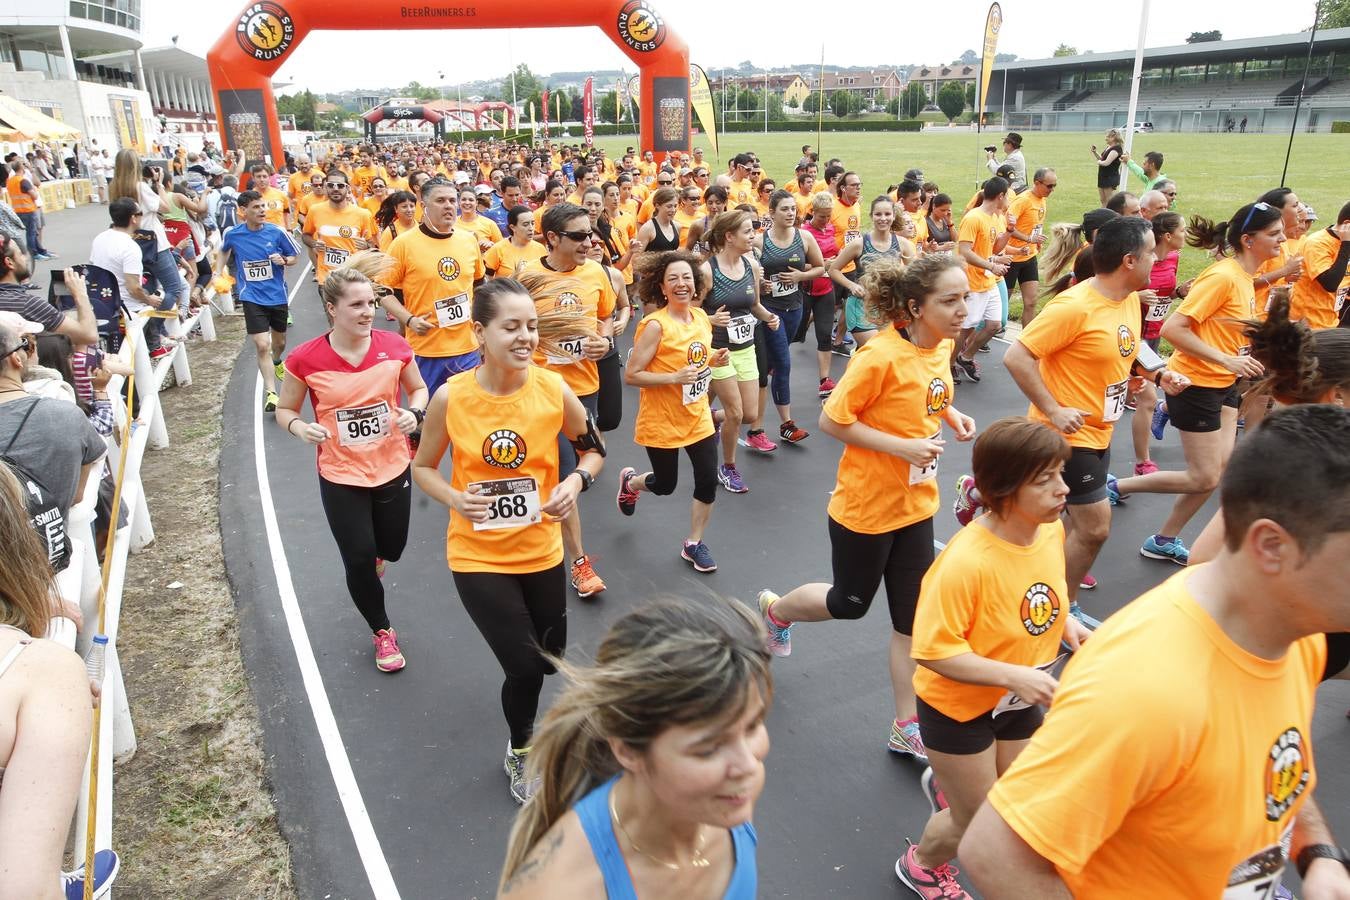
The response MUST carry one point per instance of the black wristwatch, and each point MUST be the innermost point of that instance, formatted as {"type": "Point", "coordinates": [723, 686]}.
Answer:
{"type": "Point", "coordinates": [1320, 851]}
{"type": "Point", "coordinates": [587, 479]}
{"type": "Point", "coordinates": [419, 414]}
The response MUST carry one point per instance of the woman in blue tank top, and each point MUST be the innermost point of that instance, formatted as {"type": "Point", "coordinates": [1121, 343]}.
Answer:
{"type": "Point", "coordinates": [882, 241]}
{"type": "Point", "coordinates": [643, 788]}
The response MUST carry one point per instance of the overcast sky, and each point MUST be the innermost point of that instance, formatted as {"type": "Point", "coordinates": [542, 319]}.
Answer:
{"type": "Point", "coordinates": [858, 32]}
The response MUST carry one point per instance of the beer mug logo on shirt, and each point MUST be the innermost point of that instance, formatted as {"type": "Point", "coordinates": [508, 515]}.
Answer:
{"type": "Point", "coordinates": [1040, 608]}
{"type": "Point", "coordinates": [1125, 340]}
{"type": "Point", "coordinates": [345, 231]}
{"type": "Point", "coordinates": [1287, 773]}
{"type": "Point", "coordinates": [448, 268]}
{"type": "Point", "coordinates": [698, 354]}
{"type": "Point", "coordinates": [566, 300]}
{"type": "Point", "coordinates": [504, 449]}
{"type": "Point", "coordinates": [938, 397]}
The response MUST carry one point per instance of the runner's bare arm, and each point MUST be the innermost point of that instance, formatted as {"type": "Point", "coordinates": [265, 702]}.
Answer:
{"type": "Point", "coordinates": [1003, 866]}
{"type": "Point", "coordinates": [915, 451]}
{"type": "Point", "coordinates": [847, 255]}
{"type": "Point", "coordinates": [1025, 370]}
{"type": "Point", "coordinates": [1324, 879]}
{"type": "Point", "coordinates": [644, 350]}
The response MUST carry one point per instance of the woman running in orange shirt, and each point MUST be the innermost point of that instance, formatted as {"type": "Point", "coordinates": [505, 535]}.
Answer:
{"type": "Point", "coordinates": [395, 216]}
{"type": "Point", "coordinates": [507, 257]}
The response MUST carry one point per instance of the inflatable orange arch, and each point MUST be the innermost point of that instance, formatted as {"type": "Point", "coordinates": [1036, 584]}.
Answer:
{"type": "Point", "coordinates": [263, 36]}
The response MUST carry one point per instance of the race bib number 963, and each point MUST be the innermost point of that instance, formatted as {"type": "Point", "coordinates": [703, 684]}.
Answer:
{"type": "Point", "coordinates": [359, 425]}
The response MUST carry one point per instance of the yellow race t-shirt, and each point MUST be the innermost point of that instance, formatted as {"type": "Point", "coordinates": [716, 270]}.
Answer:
{"type": "Point", "coordinates": [1309, 300]}
{"type": "Point", "coordinates": [676, 415]}
{"type": "Point", "coordinates": [1172, 762]}
{"type": "Point", "coordinates": [504, 259]}
{"type": "Point", "coordinates": [483, 228]}
{"type": "Point", "coordinates": [1086, 345]}
{"type": "Point", "coordinates": [1027, 212]}
{"type": "Point", "coordinates": [587, 285]}
{"type": "Point", "coordinates": [436, 274]}
{"type": "Point", "coordinates": [1221, 295]}
{"type": "Point", "coordinates": [896, 387]}
{"type": "Point", "coordinates": [980, 230]}
{"type": "Point", "coordinates": [848, 222]}
{"type": "Point", "coordinates": [337, 230]}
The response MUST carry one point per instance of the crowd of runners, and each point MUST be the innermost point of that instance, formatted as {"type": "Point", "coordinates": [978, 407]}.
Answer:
{"type": "Point", "coordinates": [480, 299]}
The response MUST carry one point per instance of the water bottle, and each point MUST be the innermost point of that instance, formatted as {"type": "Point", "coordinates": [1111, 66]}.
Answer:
{"type": "Point", "coordinates": [94, 659]}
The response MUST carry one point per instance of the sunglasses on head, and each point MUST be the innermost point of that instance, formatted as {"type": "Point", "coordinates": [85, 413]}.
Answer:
{"type": "Point", "coordinates": [1251, 212]}
{"type": "Point", "coordinates": [26, 343]}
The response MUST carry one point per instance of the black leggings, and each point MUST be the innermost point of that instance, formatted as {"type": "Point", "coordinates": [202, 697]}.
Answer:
{"type": "Point", "coordinates": [761, 361]}
{"type": "Point", "coordinates": [861, 561]}
{"type": "Point", "coordinates": [665, 473]}
{"type": "Point", "coordinates": [821, 311]}
{"type": "Point", "coordinates": [368, 522]}
{"type": "Point", "coordinates": [610, 411]}
{"type": "Point", "coordinates": [518, 616]}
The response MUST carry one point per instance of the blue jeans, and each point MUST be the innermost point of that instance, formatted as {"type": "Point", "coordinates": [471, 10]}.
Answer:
{"type": "Point", "coordinates": [164, 273]}
{"type": "Point", "coordinates": [780, 361]}
{"type": "Point", "coordinates": [30, 228]}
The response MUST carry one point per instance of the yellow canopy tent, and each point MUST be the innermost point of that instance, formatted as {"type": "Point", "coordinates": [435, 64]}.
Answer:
{"type": "Point", "coordinates": [27, 123]}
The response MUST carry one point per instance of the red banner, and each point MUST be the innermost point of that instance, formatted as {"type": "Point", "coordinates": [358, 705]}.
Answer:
{"type": "Point", "coordinates": [543, 101]}
{"type": "Point", "coordinates": [588, 110]}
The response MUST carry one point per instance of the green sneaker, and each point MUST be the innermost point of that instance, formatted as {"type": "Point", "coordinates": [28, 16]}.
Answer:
{"type": "Point", "coordinates": [270, 402]}
{"type": "Point", "coordinates": [280, 368]}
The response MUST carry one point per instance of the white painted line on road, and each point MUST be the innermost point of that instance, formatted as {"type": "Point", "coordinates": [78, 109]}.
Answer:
{"type": "Point", "coordinates": [363, 832]}
{"type": "Point", "coordinates": [290, 298]}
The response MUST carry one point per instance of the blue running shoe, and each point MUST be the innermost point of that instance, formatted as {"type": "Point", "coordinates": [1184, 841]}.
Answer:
{"type": "Point", "coordinates": [1083, 618]}
{"type": "Point", "coordinates": [699, 556]}
{"type": "Point", "coordinates": [1172, 551]}
{"type": "Point", "coordinates": [1113, 493]}
{"type": "Point", "coordinates": [1160, 420]}
{"type": "Point", "coordinates": [106, 864]}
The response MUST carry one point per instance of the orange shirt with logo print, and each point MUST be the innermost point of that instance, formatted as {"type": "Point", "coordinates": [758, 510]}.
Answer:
{"type": "Point", "coordinates": [391, 231]}
{"type": "Point", "coordinates": [506, 440]}
{"type": "Point", "coordinates": [675, 415]}
{"type": "Point", "coordinates": [848, 224]}
{"type": "Point", "coordinates": [1172, 762]}
{"type": "Point", "coordinates": [591, 288]}
{"type": "Point", "coordinates": [998, 600]}
{"type": "Point", "coordinates": [739, 192]}
{"type": "Point", "coordinates": [1309, 300]}
{"type": "Point", "coordinates": [278, 205]}
{"type": "Point", "coordinates": [1289, 248]}
{"type": "Point", "coordinates": [896, 387]}
{"type": "Point", "coordinates": [436, 274]}
{"type": "Point", "coordinates": [980, 230]}
{"type": "Point", "coordinates": [298, 185]}
{"type": "Point", "coordinates": [1027, 211]}
{"type": "Point", "coordinates": [1086, 345]}
{"type": "Point", "coordinates": [484, 229]}
{"type": "Point", "coordinates": [337, 230]}
{"type": "Point", "coordinates": [1221, 295]}
{"type": "Point", "coordinates": [505, 259]}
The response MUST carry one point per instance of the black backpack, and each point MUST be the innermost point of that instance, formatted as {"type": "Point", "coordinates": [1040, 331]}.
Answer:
{"type": "Point", "coordinates": [47, 519]}
{"type": "Point", "coordinates": [227, 212]}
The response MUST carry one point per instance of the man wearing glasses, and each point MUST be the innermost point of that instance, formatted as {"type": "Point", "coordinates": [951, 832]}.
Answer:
{"type": "Point", "coordinates": [664, 178]}
{"type": "Point", "coordinates": [337, 228]}
{"type": "Point", "coordinates": [742, 189]}
{"type": "Point", "coordinates": [1026, 235]}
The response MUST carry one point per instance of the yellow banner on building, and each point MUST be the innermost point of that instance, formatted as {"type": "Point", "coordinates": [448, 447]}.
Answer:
{"type": "Point", "coordinates": [700, 98]}
{"type": "Point", "coordinates": [992, 26]}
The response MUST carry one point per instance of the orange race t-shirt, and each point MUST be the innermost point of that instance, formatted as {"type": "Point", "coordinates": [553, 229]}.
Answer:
{"type": "Point", "coordinates": [298, 185]}
{"type": "Point", "coordinates": [980, 230]}
{"type": "Point", "coordinates": [393, 230]}
{"type": "Point", "coordinates": [505, 259]}
{"type": "Point", "coordinates": [1287, 249]}
{"type": "Point", "coordinates": [1172, 762]}
{"type": "Point", "coordinates": [904, 390]}
{"type": "Point", "coordinates": [676, 415]}
{"type": "Point", "coordinates": [357, 405]}
{"type": "Point", "coordinates": [739, 192]}
{"type": "Point", "coordinates": [337, 230]}
{"type": "Point", "coordinates": [436, 274]}
{"type": "Point", "coordinates": [277, 206]}
{"type": "Point", "coordinates": [484, 229]}
{"type": "Point", "coordinates": [1309, 300]}
{"type": "Point", "coordinates": [1086, 346]}
{"type": "Point", "coordinates": [623, 228]}
{"type": "Point", "coordinates": [587, 285]}
{"type": "Point", "coordinates": [1027, 212]}
{"type": "Point", "coordinates": [998, 600]}
{"type": "Point", "coordinates": [848, 222]}
{"type": "Point", "coordinates": [1221, 295]}
{"type": "Point", "coordinates": [509, 445]}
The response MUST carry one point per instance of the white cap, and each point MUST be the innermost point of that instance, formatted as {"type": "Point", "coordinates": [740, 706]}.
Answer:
{"type": "Point", "coordinates": [482, 189]}
{"type": "Point", "coordinates": [15, 322]}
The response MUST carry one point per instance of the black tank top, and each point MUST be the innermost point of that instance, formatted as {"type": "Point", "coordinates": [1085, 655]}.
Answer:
{"type": "Point", "coordinates": [738, 296]}
{"type": "Point", "coordinates": [777, 259]}
{"type": "Point", "coordinates": [660, 241]}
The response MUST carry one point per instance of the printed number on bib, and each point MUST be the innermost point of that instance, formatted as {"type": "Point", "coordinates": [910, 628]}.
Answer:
{"type": "Point", "coordinates": [925, 473]}
{"type": "Point", "coordinates": [515, 502]}
{"type": "Point", "coordinates": [452, 310]}
{"type": "Point", "coordinates": [1341, 293]}
{"type": "Point", "coordinates": [741, 330]}
{"type": "Point", "coordinates": [699, 389]}
{"type": "Point", "coordinates": [851, 236]}
{"type": "Point", "coordinates": [1157, 311]}
{"type": "Point", "coordinates": [258, 270]}
{"type": "Point", "coordinates": [573, 349]}
{"type": "Point", "coordinates": [358, 425]}
{"type": "Point", "coordinates": [1011, 701]}
{"type": "Point", "coordinates": [1257, 876]}
{"type": "Point", "coordinates": [1113, 401]}
{"type": "Point", "coordinates": [779, 288]}
{"type": "Point", "coordinates": [334, 257]}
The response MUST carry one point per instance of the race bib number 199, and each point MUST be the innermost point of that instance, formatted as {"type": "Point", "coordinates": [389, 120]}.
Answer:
{"type": "Point", "coordinates": [741, 330]}
{"type": "Point", "coordinates": [515, 502]}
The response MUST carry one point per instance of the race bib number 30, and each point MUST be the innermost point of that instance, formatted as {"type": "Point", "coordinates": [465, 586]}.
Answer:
{"type": "Point", "coordinates": [515, 502]}
{"type": "Point", "coordinates": [572, 352]}
{"type": "Point", "coordinates": [334, 257]}
{"type": "Point", "coordinates": [258, 270]}
{"type": "Point", "coordinates": [741, 330]}
{"type": "Point", "coordinates": [452, 311]}
{"type": "Point", "coordinates": [1113, 401]}
{"type": "Point", "coordinates": [699, 389]}
{"type": "Point", "coordinates": [360, 425]}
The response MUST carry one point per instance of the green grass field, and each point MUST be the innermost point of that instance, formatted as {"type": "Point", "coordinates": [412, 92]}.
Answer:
{"type": "Point", "coordinates": [1215, 173]}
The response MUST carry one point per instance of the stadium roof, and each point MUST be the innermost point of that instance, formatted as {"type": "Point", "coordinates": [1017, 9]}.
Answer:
{"type": "Point", "coordinates": [1327, 39]}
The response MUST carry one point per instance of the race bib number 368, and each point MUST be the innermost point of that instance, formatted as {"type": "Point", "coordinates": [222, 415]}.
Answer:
{"type": "Point", "coordinates": [515, 502]}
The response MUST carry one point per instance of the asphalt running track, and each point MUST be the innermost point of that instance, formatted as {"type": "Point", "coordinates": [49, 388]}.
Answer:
{"type": "Point", "coordinates": [392, 786]}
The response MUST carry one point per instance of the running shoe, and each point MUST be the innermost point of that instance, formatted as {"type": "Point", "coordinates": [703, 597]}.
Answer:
{"type": "Point", "coordinates": [848, 340]}
{"type": "Point", "coordinates": [759, 441]}
{"type": "Point", "coordinates": [790, 433]}
{"type": "Point", "coordinates": [270, 402]}
{"type": "Point", "coordinates": [964, 506]}
{"type": "Point", "coordinates": [970, 367]}
{"type": "Point", "coordinates": [699, 556]}
{"type": "Point", "coordinates": [290, 319]}
{"type": "Point", "coordinates": [106, 864]}
{"type": "Point", "coordinates": [1088, 622]}
{"type": "Point", "coordinates": [388, 658]}
{"type": "Point", "coordinates": [379, 567]}
{"type": "Point", "coordinates": [280, 369]}
{"type": "Point", "coordinates": [584, 580]}
{"type": "Point", "coordinates": [1160, 419]}
{"type": "Point", "coordinates": [1088, 583]}
{"type": "Point", "coordinates": [937, 801]}
{"type": "Point", "coordinates": [1113, 494]}
{"type": "Point", "coordinates": [956, 374]}
{"type": "Point", "coordinates": [931, 884]}
{"type": "Point", "coordinates": [1130, 404]}
{"type": "Point", "coordinates": [729, 478]}
{"type": "Point", "coordinates": [984, 349]}
{"type": "Point", "coordinates": [1147, 467]}
{"type": "Point", "coordinates": [160, 352]}
{"type": "Point", "coordinates": [780, 636]}
{"type": "Point", "coordinates": [827, 387]}
{"type": "Point", "coordinates": [1173, 550]}
{"type": "Point", "coordinates": [522, 788]}
{"type": "Point", "coordinates": [843, 350]}
{"type": "Point", "coordinates": [905, 738]}
{"type": "Point", "coordinates": [627, 498]}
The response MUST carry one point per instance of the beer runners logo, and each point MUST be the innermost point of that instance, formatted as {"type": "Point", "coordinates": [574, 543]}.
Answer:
{"type": "Point", "coordinates": [938, 397]}
{"type": "Point", "coordinates": [1125, 340]}
{"type": "Point", "coordinates": [640, 27]}
{"type": "Point", "coordinates": [345, 231]}
{"type": "Point", "coordinates": [1040, 608]}
{"type": "Point", "coordinates": [448, 268]}
{"type": "Point", "coordinates": [1287, 773]}
{"type": "Point", "coordinates": [504, 449]}
{"type": "Point", "coordinates": [265, 31]}
{"type": "Point", "coordinates": [567, 300]}
{"type": "Point", "coordinates": [698, 354]}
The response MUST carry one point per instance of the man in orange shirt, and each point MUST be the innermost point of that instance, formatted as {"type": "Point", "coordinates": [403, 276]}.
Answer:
{"type": "Point", "coordinates": [980, 243]}
{"type": "Point", "coordinates": [1319, 294]}
{"type": "Point", "coordinates": [1026, 235]}
{"type": "Point", "coordinates": [24, 197]}
{"type": "Point", "coordinates": [298, 185]}
{"type": "Point", "coordinates": [278, 205]}
{"type": "Point", "coordinates": [1176, 757]}
{"type": "Point", "coordinates": [337, 228]}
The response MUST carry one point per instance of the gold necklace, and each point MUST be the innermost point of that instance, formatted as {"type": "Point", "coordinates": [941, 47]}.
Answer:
{"type": "Point", "coordinates": [699, 861]}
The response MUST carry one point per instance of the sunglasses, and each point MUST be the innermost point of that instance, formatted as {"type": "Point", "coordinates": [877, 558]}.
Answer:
{"type": "Point", "coordinates": [1251, 212]}
{"type": "Point", "coordinates": [335, 184]}
{"type": "Point", "coordinates": [26, 344]}
{"type": "Point", "coordinates": [580, 237]}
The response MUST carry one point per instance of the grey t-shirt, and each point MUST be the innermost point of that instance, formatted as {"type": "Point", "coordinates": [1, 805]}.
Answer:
{"type": "Point", "coordinates": [55, 442]}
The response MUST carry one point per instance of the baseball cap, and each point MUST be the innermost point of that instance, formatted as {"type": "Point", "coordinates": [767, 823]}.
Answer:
{"type": "Point", "coordinates": [15, 322]}
{"type": "Point", "coordinates": [914, 175]}
{"type": "Point", "coordinates": [461, 178]}
{"type": "Point", "coordinates": [482, 189]}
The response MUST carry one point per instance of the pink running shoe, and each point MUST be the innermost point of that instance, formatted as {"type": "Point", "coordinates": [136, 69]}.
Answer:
{"type": "Point", "coordinates": [379, 567]}
{"type": "Point", "coordinates": [932, 884]}
{"type": "Point", "coordinates": [964, 507]}
{"type": "Point", "coordinates": [1145, 467]}
{"type": "Point", "coordinates": [758, 440]}
{"type": "Point", "coordinates": [388, 658]}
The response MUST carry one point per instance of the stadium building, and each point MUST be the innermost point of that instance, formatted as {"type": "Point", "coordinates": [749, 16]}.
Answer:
{"type": "Point", "coordinates": [1205, 87]}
